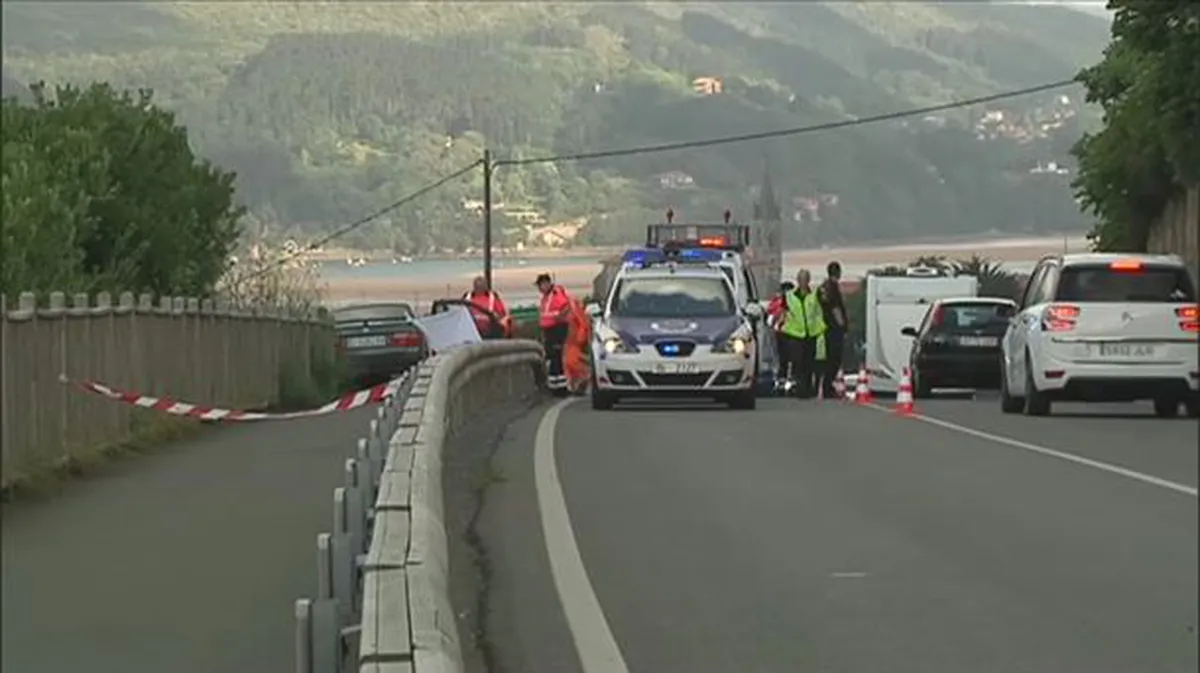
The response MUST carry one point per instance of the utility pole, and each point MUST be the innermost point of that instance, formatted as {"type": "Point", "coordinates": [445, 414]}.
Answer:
{"type": "Point", "coordinates": [487, 218]}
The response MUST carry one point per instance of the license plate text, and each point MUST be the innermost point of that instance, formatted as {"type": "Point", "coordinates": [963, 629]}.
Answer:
{"type": "Point", "coordinates": [1127, 350]}
{"type": "Point", "coordinates": [366, 342]}
{"type": "Point", "coordinates": [676, 368]}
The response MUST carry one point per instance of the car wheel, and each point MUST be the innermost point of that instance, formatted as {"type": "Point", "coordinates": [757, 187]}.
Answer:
{"type": "Point", "coordinates": [1166, 407]}
{"type": "Point", "coordinates": [922, 389]}
{"type": "Point", "coordinates": [1037, 403]}
{"type": "Point", "coordinates": [1008, 403]}
{"type": "Point", "coordinates": [1192, 406]}
{"type": "Point", "coordinates": [601, 400]}
{"type": "Point", "coordinates": [744, 400]}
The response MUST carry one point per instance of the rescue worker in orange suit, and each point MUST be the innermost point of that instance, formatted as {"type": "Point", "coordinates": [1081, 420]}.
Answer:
{"type": "Point", "coordinates": [553, 319]}
{"type": "Point", "coordinates": [576, 367]}
{"type": "Point", "coordinates": [485, 302]}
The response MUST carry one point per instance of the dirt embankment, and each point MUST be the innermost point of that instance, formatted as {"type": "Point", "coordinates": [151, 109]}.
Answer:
{"type": "Point", "coordinates": [578, 277]}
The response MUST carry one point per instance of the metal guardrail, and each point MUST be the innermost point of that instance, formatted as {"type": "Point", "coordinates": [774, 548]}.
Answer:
{"type": "Point", "coordinates": [382, 603]}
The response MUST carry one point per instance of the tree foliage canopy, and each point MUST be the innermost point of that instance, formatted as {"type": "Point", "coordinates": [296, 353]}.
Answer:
{"type": "Point", "coordinates": [101, 191]}
{"type": "Point", "coordinates": [1148, 84]}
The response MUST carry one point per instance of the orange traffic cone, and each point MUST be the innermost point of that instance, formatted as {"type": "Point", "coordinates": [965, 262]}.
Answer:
{"type": "Point", "coordinates": [904, 395]}
{"type": "Point", "coordinates": [863, 394]}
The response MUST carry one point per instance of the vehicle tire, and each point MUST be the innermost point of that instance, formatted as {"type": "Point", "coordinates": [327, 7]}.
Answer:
{"type": "Point", "coordinates": [1037, 403]}
{"type": "Point", "coordinates": [1192, 406]}
{"type": "Point", "coordinates": [746, 400]}
{"type": "Point", "coordinates": [1008, 403]}
{"type": "Point", "coordinates": [1166, 407]}
{"type": "Point", "coordinates": [921, 386]}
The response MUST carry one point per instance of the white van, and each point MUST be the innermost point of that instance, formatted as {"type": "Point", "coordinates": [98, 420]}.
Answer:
{"type": "Point", "coordinates": [894, 302]}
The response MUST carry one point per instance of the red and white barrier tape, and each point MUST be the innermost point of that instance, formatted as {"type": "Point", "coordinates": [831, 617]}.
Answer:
{"type": "Point", "coordinates": [372, 395]}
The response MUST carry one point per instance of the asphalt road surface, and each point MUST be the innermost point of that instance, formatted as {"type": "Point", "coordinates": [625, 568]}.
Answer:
{"type": "Point", "coordinates": [186, 561]}
{"type": "Point", "coordinates": [840, 539]}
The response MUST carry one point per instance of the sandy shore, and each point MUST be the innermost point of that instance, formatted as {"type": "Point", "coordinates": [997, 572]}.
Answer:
{"type": "Point", "coordinates": [518, 283]}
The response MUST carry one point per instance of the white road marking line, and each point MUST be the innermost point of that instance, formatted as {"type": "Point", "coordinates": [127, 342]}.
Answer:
{"type": "Point", "coordinates": [1053, 453]}
{"type": "Point", "coordinates": [594, 642]}
{"type": "Point", "coordinates": [847, 576]}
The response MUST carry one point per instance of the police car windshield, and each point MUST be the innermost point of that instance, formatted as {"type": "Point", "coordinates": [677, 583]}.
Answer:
{"type": "Point", "coordinates": [674, 297]}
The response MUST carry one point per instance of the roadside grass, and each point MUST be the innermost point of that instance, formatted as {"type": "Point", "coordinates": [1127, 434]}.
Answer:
{"type": "Point", "coordinates": [149, 432]}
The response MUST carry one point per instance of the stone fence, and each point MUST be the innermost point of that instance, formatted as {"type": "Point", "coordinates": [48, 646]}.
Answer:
{"type": "Point", "coordinates": [178, 348]}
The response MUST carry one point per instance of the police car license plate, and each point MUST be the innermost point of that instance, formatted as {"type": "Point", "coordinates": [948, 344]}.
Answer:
{"type": "Point", "coordinates": [676, 368]}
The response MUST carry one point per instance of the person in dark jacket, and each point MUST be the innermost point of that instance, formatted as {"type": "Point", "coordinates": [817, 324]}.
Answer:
{"type": "Point", "coordinates": [837, 325]}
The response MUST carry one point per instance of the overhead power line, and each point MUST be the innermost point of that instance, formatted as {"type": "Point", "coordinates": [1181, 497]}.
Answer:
{"type": "Point", "coordinates": [778, 133]}
{"type": "Point", "coordinates": [367, 219]}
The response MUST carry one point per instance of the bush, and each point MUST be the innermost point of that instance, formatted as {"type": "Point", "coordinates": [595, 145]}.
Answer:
{"type": "Point", "coordinates": [101, 191]}
{"type": "Point", "coordinates": [285, 278]}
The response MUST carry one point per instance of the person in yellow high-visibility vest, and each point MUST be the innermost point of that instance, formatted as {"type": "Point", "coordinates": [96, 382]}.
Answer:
{"type": "Point", "coordinates": [804, 328]}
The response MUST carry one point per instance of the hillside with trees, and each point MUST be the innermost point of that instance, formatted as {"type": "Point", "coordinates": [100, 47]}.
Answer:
{"type": "Point", "coordinates": [327, 111]}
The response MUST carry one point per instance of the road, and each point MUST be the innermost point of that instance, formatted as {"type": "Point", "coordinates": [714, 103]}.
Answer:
{"type": "Point", "coordinates": [188, 561]}
{"type": "Point", "coordinates": [843, 539]}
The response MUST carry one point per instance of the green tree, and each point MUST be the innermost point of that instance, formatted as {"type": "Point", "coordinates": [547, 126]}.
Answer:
{"type": "Point", "coordinates": [1148, 84]}
{"type": "Point", "coordinates": [102, 191]}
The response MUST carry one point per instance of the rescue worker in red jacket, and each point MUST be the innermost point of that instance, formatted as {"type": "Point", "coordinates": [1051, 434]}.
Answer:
{"type": "Point", "coordinates": [775, 312]}
{"type": "Point", "coordinates": [484, 304]}
{"type": "Point", "coordinates": [553, 319]}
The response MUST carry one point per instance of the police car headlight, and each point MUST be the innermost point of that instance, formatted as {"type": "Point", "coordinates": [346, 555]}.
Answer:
{"type": "Point", "coordinates": [614, 344]}
{"type": "Point", "coordinates": [736, 345]}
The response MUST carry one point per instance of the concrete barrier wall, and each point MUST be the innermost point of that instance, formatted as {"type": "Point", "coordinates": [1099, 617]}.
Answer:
{"type": "Point", "coordinates": [184, 349]}
{"type": "Point", "coordinates": [384, 573]}
{"type": "Point", "coordinates": [1177, 230]}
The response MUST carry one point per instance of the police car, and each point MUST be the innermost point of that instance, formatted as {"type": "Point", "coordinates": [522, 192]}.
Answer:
{"type": "Point", "coordinates": [673, 327]}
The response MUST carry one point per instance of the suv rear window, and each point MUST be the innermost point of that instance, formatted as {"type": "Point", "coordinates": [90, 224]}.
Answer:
{"type": "Point", "coordinates": [969, 317]}
{"type": "Point", "coordinates": [1100, 283]}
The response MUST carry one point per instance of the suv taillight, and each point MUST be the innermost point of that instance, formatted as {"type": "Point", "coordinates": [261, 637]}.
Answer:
{"type": "Point", "coordinates": [1189, 318]}
{"type": "Point", "coordinates": [1060, 317]}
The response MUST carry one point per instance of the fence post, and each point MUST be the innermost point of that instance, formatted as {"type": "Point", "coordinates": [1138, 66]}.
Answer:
{"type": "Point", "coordinates": [326, 612]}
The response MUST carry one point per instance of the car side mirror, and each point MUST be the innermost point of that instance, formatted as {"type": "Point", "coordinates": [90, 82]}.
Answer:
{"type": "Point", "coordinates": [909, 331]}
{"type": "Point", "coordinates": [593, 309]}
{"type": "Point", "coordinates": [753, 311]}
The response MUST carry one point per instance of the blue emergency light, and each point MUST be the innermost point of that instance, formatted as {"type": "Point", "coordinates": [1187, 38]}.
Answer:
{"type": "Point", "coordinates": [643, 256]}
{"type": "Point", "coordinates": [700, 254]}
{"type": "Point", "coordinates": [670, 349]}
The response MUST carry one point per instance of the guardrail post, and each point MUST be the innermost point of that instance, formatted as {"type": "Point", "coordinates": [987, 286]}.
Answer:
{"type": "Point", "coordinates": [325, 617]}
{"type": "Point", "coordinates": [364, 481]}
{"type": "Point", "coordinates": [344, 557]}
{"type": "Point", "coordinates": [304, 636]}
{"type": "Point", "coordinates": [355, 515]}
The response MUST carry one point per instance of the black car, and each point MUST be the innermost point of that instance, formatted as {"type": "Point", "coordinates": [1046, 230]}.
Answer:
{"type": "Point", "coordinates": [957, 344]}
{"type": "Point", "coordinates": [379, 340]}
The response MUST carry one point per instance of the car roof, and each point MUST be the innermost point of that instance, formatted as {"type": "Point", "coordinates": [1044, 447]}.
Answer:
{"type": "Point", "coordinates": [664, 271]}
{"type": "Point", "coordinates": [372, 310]}
{"type": "Point", "coordinates": [1091, 258]}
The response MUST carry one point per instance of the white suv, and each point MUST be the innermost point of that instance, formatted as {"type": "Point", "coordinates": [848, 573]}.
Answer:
{"type": "Point", "coordinates": [1104, 327]}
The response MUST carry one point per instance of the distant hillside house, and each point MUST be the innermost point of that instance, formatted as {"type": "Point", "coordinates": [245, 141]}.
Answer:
{"type": "Point", "coordinates": [675, 180]}
{"type": "Point", "coordinates": [555, 235]}
{"type": "Point", "coordinates": [708, 86]}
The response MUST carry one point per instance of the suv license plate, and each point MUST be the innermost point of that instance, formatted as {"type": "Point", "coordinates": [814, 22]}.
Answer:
{"type": "Point", "coordinates": [676, 368]}
{"type": "Point", "coordinates": [984, 342]}
{"type": "Point", "coordinates": [1128, 350]}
